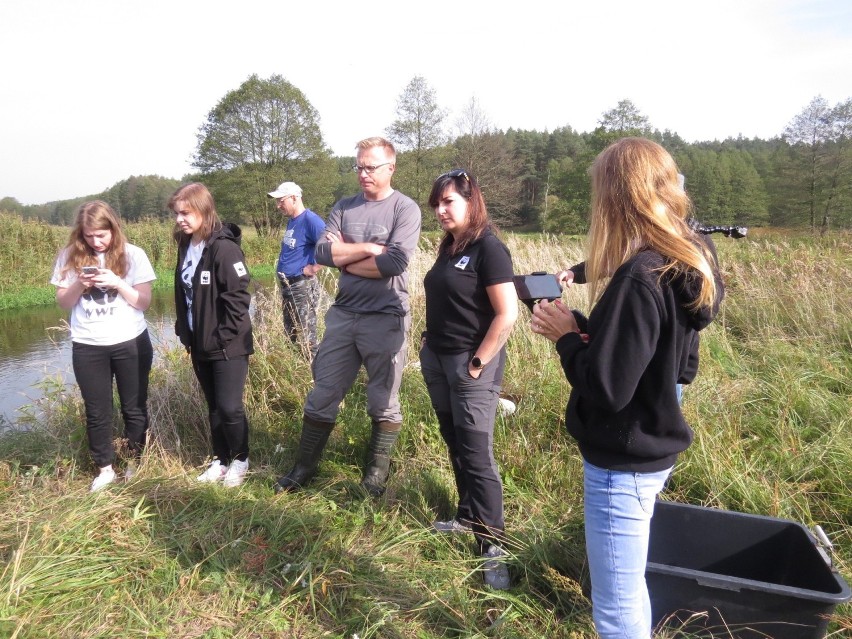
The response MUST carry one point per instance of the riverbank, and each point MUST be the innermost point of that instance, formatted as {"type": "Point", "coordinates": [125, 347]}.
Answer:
{"type": "Point", "coordinates": [163, 556]}
{"type": "Point", "coordinates": [36, 345]}
{"type": "Point", "coordinates": [26, 297]}
{"type": "Point", "coordinates": [30, 296]}
{"type": "Point", "coordinates": [29, 251]}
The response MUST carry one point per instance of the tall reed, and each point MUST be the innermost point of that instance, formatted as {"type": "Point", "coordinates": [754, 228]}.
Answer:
{"type": "Point", "coordinates": [164, 556]}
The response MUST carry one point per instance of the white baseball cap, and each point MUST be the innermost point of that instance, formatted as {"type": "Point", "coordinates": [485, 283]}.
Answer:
{"type": "Point", "coordinates": [285, 189]}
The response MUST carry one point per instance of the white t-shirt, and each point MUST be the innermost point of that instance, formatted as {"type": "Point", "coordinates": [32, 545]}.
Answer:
{"type": "Point", "coordinates": [104, 318]}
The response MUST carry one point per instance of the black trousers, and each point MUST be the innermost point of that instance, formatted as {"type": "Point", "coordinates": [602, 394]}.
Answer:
{"type": "Point", "coordinates": [223, 383]}
{"type": "Point", "coordinates": [466, 409]}
{"type": "Point", "coordinates": [95, 367]}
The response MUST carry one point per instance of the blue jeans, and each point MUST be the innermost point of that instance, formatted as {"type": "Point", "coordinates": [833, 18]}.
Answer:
{"type": "Point", "coordinates": [618, 510]}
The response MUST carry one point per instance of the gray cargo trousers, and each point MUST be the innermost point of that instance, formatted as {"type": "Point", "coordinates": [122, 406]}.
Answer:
{"type": "Point", "coordinates": [379, 342]}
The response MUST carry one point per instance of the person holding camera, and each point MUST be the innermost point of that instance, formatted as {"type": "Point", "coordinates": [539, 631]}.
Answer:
{"type": "Point", "coordinates": [471, 306]}
{"type": "Point", "coordinates": [654, 285]}
{"type": "Point", "coordinates": [106, 284]}
{"type": "Point", "coordinates": [213, 323]}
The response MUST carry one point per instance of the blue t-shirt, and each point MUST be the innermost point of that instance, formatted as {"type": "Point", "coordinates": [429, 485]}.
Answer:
{"type": "Point", "coordinates": [300, 239]}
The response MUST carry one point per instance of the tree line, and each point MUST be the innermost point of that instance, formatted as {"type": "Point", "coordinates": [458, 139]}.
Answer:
{"type": "Point", "coordinates": [266, 131]}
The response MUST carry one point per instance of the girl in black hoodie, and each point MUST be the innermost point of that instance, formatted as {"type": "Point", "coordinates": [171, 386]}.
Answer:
{"type": "Point", "coordinates": [654, 284]}
{"type": "Point", "coordinates": [212, 305]}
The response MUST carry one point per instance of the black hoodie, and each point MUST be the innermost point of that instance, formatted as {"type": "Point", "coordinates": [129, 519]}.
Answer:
{"type": "Point", "coordinates": [643, 340]}
{"type": "Point", "coordinates": [220, 299]}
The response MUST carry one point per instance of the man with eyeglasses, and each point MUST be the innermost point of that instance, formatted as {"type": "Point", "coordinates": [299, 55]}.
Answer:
{"type": "Point", "coordinates": [370, 237]}
{"type": "Point", "coordinates": [297, 267]}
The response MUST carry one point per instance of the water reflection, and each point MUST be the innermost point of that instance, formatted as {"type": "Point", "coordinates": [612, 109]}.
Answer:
{"type": "Point", "coordinates": [35, 345]}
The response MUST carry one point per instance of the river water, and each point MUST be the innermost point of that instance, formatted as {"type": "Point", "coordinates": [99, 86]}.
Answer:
{"type": "Point", "coordinates": [35, 350]}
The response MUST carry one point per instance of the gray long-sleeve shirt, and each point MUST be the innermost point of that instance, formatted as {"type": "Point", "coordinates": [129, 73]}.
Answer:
{"type": "Point", "coordinates": [394, 223]}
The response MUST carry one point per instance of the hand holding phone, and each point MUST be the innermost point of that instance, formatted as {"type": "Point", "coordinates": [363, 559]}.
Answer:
{"type": "Point", "coordinates": [537, 286]}
{"type": "Point", "coordinates": [91, 270]}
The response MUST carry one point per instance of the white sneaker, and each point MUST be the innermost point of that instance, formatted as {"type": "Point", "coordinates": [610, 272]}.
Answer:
{"type": "Point", "coordinates": [506, 407]}
{"type": "Point", "coordinates": [236, 473]}
{"type": "Point", "coordinates": [215, 472]}
{"type": "Point", "coordinates": [106, 477]}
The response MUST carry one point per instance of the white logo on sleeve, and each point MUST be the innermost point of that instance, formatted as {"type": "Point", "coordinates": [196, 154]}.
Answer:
{"type": "Point", "coordinates": [462, 263]}
{"type": "Point", "coordinates": [240, 268]}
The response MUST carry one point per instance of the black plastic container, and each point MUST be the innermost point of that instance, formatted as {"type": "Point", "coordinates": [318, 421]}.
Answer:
{"type": "Point", "coordinates": [726, 573]}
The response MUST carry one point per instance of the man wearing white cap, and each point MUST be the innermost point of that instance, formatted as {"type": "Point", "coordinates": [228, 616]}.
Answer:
{"type": "Point", "coordinates": [297, 267]}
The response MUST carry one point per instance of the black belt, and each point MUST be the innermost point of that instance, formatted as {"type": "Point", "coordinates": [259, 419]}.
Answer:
{"type": "Point", "coordinates": [286, 279]}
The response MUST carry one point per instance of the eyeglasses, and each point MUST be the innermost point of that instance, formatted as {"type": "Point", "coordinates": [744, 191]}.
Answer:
{"type": "Point", "coordinates": [454, 174]}
{"type": "Point", "coordinates": [369, 169]}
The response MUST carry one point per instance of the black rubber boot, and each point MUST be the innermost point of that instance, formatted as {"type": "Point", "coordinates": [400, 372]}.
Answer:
{"type": "Point", "coordinates": [382, 439]}
{"type": "Point", "coordinates": [311, 444]}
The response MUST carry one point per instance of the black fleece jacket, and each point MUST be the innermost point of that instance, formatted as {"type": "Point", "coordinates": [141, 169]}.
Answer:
{"type": "Point", "coordinates": [623, 408]}
{"type": "Point", "coordinates": [220, 299]}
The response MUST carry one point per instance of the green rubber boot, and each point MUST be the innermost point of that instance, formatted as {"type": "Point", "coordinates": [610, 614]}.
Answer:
{"type": "Point", "coordinates": [382, 439]}
{"type": "Point", "coordinates": [311, 444]}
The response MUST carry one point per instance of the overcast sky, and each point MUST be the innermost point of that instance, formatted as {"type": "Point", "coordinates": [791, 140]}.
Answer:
{"type": "Point", "coordinates": [94, 91]}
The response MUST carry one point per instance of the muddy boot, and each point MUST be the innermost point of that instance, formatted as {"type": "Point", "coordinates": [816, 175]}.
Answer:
{"type": "Point", "coordinates": [311, 444]}
{"type": "Point", "coordinates": [382, 439]}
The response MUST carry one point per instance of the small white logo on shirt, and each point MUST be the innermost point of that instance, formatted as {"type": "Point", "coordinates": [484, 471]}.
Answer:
{"type": "Point", "coordinates": [205, 277]}
{"type": "Point", "coordinates": [240, 268]}
{"type": "Point", "coordinates": [462, 263]}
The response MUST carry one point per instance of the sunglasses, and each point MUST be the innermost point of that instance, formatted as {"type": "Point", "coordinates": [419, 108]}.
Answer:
{"type": "Point", "coordinates": [454, 174]}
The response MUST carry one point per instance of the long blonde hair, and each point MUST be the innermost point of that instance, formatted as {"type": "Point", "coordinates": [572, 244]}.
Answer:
{"type": "Point", "coordinates": [96, 215]}
{"type": "Point", "coordinates": [638, 203]}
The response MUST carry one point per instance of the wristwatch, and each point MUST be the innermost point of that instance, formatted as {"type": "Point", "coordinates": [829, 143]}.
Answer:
{"type": "Point", "coordinates": [477, 363]}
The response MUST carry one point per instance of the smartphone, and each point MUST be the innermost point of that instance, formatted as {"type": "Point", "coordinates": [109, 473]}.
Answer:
{"type": "Point", "coordinates": [90, 270]}
{"type": "Point", "coordinates": [537, 286]}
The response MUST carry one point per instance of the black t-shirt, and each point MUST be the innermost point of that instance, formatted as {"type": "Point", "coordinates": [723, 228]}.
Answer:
{"type": "Point", "coordinates": [458, 311]}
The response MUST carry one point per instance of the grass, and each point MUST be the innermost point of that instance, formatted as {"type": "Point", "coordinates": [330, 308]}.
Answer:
{"type": "Point", "coordinates": [30, 247]}
{"type": "Point", "coordinates": [162, 556]}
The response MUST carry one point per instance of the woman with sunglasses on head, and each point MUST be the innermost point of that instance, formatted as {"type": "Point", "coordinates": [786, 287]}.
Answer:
{"type": "Point", "coordinates": [471, 306]}
{"type": "Point", "coordinates": [654, 284]}
{"type": "Point", "coordinates": [212, 305]}
{"type": "Point", "coordinates": [106, 284]}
